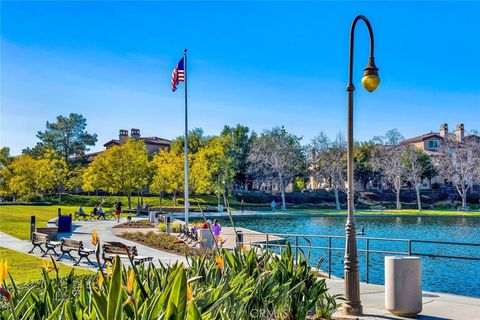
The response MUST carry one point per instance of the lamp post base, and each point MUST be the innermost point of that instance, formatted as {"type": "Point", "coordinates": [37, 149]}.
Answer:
{"type": "Point", "coordinates": [354, 309]}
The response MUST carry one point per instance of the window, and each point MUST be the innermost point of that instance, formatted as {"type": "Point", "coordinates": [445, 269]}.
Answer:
{"type": "Point", "coordinates": [433, 144]}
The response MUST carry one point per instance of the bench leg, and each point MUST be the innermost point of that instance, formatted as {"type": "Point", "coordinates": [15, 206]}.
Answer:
{"type": "Point", "coordinates": [61, 256]}
{"type": "Point", "coordinates": [35, 246]}
{"type": "Point", "coordinates": [50, 249]}
{"type": "Point", "coordinates": [78, 262]}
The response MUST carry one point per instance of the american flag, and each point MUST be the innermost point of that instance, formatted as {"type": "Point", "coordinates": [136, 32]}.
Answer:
{"type": "Point", "coordinates": [178, 74]}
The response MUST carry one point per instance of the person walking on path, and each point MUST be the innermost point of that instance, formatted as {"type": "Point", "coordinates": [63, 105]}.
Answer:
{"type": "Point", "coordinates": [118, 209]}
{"type": "Point", "coordinates": [274, 205]}
{"type": "Point", "coordinates": [242, 205]}
{"type": "Point", "coordinates": [216, 229]}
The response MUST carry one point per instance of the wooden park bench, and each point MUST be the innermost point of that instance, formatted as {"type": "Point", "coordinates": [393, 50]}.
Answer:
{"type": "Point", "coordinates": [187, 234]}
{"type": "Point", "coordinates": [69, 245]}
{"type": "Point", "coordinates": [78, 216]}
{"type": "Point", "coordinates": [41, 239]}
{"type": "Point", "coordinates": [111, 250]}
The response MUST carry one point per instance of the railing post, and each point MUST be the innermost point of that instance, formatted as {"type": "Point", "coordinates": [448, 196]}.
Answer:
{"type": "Point", "coordinates": [409, 247]}
{"type": "Point", "coordinates": [330, 257]}
{"type": "Point", "coordinates": [267, 241]}
{"type": "Point", "coordinates": [367, 255]}
{"type": "Point", "coordinates": [296, 248]}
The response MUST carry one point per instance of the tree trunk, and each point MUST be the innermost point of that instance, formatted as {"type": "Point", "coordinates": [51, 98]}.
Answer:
{"type": "Point", "coordinates": [161, 202]}
{"type": "Point", "coordinates": [59, 198]}
{"type": "Point", "coordinates": [399, 205]}
{"type": "Point", "coordinates": [129, 197]}
{"type": "Point", "coordinates": [464, 201]}
{"type": "Point", "coordinates": [174, 198]}
{"type": "Point", "coordinates": [419, 199]}
{"type": "Point", "coordinates": [282, 189]}
{"type": "Point", "coordinates": [337, 200]}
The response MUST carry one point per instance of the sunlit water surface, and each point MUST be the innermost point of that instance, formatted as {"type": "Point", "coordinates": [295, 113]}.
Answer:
{"type": "Point", "coordinates": [439, 274]}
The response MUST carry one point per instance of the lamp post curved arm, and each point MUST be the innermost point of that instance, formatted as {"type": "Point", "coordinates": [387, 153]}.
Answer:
{"type": "Point", "coordinates": [370, 81]}
{"type": "Point", "coordinates": [352, 43]}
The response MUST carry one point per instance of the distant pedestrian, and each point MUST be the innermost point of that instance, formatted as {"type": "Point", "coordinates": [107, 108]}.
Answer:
{"type": "Point", "coordinates": [274, 205]}
{"type": "Point", "coordinates": [242, 205]}
{"type": "Point", "coordinates": [216, 229]}
{"type": "Point", "coordinates": [81, 212]}
{"type": "Point", "coordinates": [118, 209]}
{"type": "Point", "coordinates": [95, 210]}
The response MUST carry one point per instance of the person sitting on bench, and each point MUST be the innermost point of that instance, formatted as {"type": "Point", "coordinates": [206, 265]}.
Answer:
{"type": "Point", "coordinates": [81, 213]}
{"type": "Point", "coordinates": [100, 212]}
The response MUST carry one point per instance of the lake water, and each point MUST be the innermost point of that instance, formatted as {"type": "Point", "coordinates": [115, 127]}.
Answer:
{"type": "Point", "coordinates": [439, 274]}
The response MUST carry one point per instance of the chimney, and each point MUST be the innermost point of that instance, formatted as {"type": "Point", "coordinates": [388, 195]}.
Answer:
{"type": "Point", "coordinates": [444, 131]}
{"type": "Point", "coordinates": [123, 136]}
{"type": "Point", "coordinates": [135, 134]}
{"type": "Point", "coordinates": [459, 132]}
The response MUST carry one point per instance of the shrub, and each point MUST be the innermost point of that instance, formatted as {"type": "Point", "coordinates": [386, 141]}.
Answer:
{"type": "Point", "coordinates": [164, 242]}
{"type": "Point", "coordinates": [473, 198]}
{"type": "Point", "coordinates": [233, 285]}
{"type": "Point", "coordinates": [143, 223]}
{"type": "Point", "coordinates": [175, 227]}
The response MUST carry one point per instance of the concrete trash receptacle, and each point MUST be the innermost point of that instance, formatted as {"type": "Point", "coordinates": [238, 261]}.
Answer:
{"type": "Point", "coordinates": [403, 285]}
{"type": "Point", "coordinates": [205, 238]}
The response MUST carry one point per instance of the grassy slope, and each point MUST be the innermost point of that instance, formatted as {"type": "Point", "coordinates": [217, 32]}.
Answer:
{"type": "Point", "coordinates": [25, 268]}
{"type": "Point", "coordinates": [15, 219]}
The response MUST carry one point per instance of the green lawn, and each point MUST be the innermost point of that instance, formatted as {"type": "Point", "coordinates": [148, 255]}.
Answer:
{"type": "Point", "coordinates": [25, 268]}
{"type": "Point", "coordinates": [15, 219]}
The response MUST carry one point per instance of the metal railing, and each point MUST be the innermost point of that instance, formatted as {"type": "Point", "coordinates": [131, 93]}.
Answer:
{"type": "Point", "coordinates": [278, 240]}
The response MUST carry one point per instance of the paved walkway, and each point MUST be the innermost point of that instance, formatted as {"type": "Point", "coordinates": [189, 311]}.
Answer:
{"type": "Point", "coordinates": [82, 230]}
{"type": "Point", "coordinates": [436, 306]}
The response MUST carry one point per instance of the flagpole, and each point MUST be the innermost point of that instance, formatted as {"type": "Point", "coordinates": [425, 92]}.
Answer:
{"type": "Point", "coordinates": [187, 205]}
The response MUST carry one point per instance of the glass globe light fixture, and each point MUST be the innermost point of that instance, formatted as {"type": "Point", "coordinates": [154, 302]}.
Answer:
{"type": "Point", "coordinates": [371, 80]}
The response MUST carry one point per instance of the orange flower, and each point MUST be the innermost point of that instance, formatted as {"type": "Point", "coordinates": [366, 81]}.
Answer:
{"type": "Point", "coordinates": [100, 278]}
{"type": "Point", "coordinates": [3, 271]}
{"type": "Point", "coordinates": [109, 270]}
{"type": "Point", "coordinates": [243, 249]}
{"type": "Point", "coordinates": [47, 266]}
{"type": "Point", "coordinates": [189, 293]}
{"type": "Point", "coordinates": [94, 237]}
{"type": "Point", "coordinates": [220, 262]}
{"type": "Point", "coordinates": [130, 281]}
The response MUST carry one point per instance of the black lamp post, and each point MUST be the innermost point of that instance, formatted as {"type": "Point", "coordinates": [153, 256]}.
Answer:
{"type": "Point", "coordinates": [370, 82]}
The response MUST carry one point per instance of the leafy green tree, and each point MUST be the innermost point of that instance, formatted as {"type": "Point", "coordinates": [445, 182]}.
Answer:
{"type": "Point", "coordinates": [238, 149]}
{"type": "Point", "coordinates": [59, 168]}
{"type": "Point", "coordinates": [362, 155]}
{"type": "Point", "coordinates": [168, 174]}
{"type": "Point", "coordinates": [277, 155]}
{"type": "Point", "coordinates": [212, 167]}
{"type": "Point", "coordinates": [27, 177]}
{"type": "Point", "coordinates": [5, 160]}
{"type": "Point", "coordinates": [123, 168]}
{"type": "Point", "coordinates": [196, 140]}
{"type": "Point", "coordinates": [67, 136]}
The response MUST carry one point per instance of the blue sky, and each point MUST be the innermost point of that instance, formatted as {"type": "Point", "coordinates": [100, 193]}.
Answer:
{"type": "Point", "coordinates": [260, 64]}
